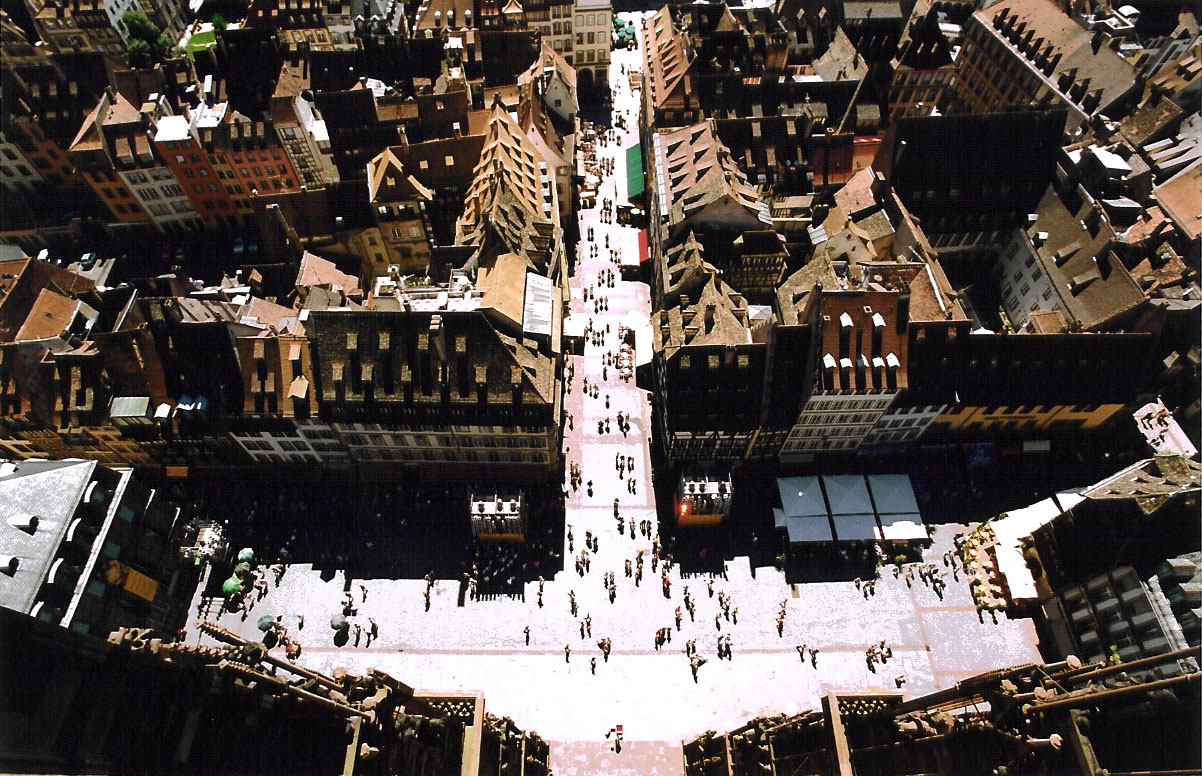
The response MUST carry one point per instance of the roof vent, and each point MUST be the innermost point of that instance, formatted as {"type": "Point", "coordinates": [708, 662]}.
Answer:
{"type": "Point", "coordinates": [26, 523]}
{"type": "Point", "coordinates": [9, 564]}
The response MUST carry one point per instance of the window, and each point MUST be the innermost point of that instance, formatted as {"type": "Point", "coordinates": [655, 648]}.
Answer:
{"type": "Point", "coordinates": [1037, 274]}
{"type": "Point", "coordinates": [178, 159]}
{"type": "Point", "coordinates": [415, 232]}
{"type": "Point", "coordinates": [449, 160]}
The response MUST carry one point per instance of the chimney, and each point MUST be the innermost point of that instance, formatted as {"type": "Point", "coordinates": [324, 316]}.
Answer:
{"type": "Point", "coordinates": [903, 307]}
{"type": "Point", "coordinates": [438, 336]}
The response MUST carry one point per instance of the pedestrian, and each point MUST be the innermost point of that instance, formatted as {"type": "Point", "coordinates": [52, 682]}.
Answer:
{"type": "Point", "coordinates": [592, 665]}
{"type": "Point", "coordinates": [582, 629]}
{"type": "Point", "coordinates": [374, 630]}
{"type": "Point", "coordinates": [363, 590]}
{"type": "Point", "coordinates": [734, 615]}
{"type": "Point", "coordinates": [709, 585]}
{"type": "Point", "coordinates": [526, 631]}
{"type": "Point", "coordinates": [358, 633]}
{"type": "Point", "coordinates": [814, 658]}
{"type": "Point", "coordinates": [718, 621]}
{"type": "Point", "coordinates": [801, 652]}
{"type": "Point", "coordinates": [567, 653]}
{"type": "Point", "coordinates": [588, 624]}
{"type": "Point", "coordinates": [300, 621]}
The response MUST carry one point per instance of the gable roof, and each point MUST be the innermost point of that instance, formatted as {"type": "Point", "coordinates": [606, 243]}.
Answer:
{"type": "Point", "coordinates": [511, 195]}
{"type": "Point", "coordinates": [666, 56]}
{"type": "Point", "coordinates": [316, 271]}
{"type": "Point", "coordinates": [695, 170]}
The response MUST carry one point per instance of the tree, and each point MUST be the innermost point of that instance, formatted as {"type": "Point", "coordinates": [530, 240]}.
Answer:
{"type": "Point", "coordinates": [219, 22]}
{"type": "Point", "coordinates": [147, 45]}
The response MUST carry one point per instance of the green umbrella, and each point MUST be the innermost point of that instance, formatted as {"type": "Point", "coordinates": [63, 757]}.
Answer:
{"type": "Point", "coordinates": [231, 586]}
{"type": "Point", "coordinates": [246, 555]}
{"type": "Point", "coordinates": [266, 621]}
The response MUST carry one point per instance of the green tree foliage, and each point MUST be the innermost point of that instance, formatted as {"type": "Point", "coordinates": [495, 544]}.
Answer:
{"type": "Point", "coordinates": [219, 22]}
{"type": "Point", "coordinates": [147, 45]}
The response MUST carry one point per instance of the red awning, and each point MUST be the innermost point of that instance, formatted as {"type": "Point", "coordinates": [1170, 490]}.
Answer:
{"type": "Point", "coordinates": [644, 252]}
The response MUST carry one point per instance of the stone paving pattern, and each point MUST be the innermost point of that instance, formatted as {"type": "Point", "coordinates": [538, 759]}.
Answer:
{"type": "Point", "coordinates": [481, 646]}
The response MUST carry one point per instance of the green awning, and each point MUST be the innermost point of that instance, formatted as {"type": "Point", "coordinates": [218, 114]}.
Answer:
{"type": "Point", "coordinates": [636, 180]}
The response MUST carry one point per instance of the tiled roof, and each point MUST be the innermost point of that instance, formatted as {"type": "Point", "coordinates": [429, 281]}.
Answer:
{"type": "Point", "coordinates": [1090, 282]}
{"type": "Point", "coordinates": [667, 57]}
{"type": "Point", "coordinates": [685, 270]}
{"type": "Point", "coordinates": [1150, 482]}
{"type": "Point", "coordinates": [1044, 32]}
{"type": "Point", "coordinates": [1181, 198]}
{"type": "Point", "coordinates": [793, 297]}
{"type": "Point", "coordinates": [695, 170]}
{"type": "Point", "coordinates": [386, 170]}
{"type": "Point", "coordinates": [718, 316]}
{"type": "Point", "coordinates": [316, 271]}
{"type": "Point", "coordinates": [841, 61]}
{"type": "Point", "coordinates": [510, 195]}
{"type": "Point", "coordinates": [51, 315]}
